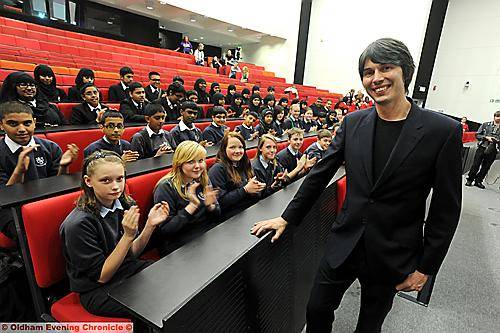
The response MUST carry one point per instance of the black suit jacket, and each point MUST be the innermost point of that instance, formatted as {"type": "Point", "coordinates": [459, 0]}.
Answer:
{"type": "Point", "coordinates": [131, 113]}
{"type": "Point", "coordinates": [82, 115]}
{"type": "Point", "coordinates": [116, 93]}
{"type": "Point", "coordinates": [388, 213]}
{"type": "Point", "coordinates": [152, 96]}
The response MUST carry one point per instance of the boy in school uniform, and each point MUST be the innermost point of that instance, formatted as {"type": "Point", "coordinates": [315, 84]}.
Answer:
{"type": "Point", "coordinates": [293, 119]}
{"type": "Point", "coordinates": [90, 111]}
{"type": "Point", "coordinates": [216, 130]}
{"type": "Point", "coordinates": [171, 102]}
{"type": "Point", "coordinates": [153, 90]}
{"type": "Point", "coordinates": [118, 92]}
{"type": "Point", "coordinates": [246, 128]}
{"type": "Point", "coordinates": [186, 130]}
{"type": "Point", "coordinates": [152, 140]}
{"type": "Point", "coordinates": [25, 157]}
{"type": "Point", "coordinates": [112, 127]}
{"type": "Point", "coordinates": [132, 108]}
{"type": "Point", "coordinates": [290, 156]}
{"type": "Point", "coordinates": [318, 149]}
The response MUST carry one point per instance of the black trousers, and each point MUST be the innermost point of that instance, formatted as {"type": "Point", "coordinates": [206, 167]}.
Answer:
{"type": "Point", "coordinates": [330, 285]}
{"type": "Point", "coordinates": [483, 161]}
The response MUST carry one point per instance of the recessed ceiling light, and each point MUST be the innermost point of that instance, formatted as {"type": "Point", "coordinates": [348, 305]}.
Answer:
{"type": "Point", "coordinates": [202, 38]}
{"type": "Point", "coordinates": [150, 7]}
{"type": "Point", "coordinates": [110, 22]}
{"type": "Point", "coordinates": [230, 29]}
{"type": "Point", "coordinates": [195, 39]}
{"type": "Point", "coordinates": [192, 20]}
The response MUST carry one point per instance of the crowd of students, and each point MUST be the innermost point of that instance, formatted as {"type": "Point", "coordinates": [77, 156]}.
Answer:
{"type": "Point", "coordinates": [101, 236]}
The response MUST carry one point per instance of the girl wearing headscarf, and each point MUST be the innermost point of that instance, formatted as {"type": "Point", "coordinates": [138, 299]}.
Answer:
{"type": "Point", "coordinates": [256, 90]}
{"type": "Point", "coordinates": [231, 89]}
{"type": "Point", "coordinates": [254, 103]}
{"type": "Point", "coordinates": [85, 75]}
{"type": "Point", "coordinates": [214, 89]}
{"type": "Point", "coordinates": [283, 102]}
{"type": "Point", "coordinates": [46, 82]}
{"type": "Point", "coordinates": [235, 109]}
{"type": "Point", "coordinates": [200, 86]}
{"type": "Point", "coordinates": [218, 100]}
{"type": "Point", "coordinates": [20, 86]}
{"type": "Point", "coordinates": [245, 96]}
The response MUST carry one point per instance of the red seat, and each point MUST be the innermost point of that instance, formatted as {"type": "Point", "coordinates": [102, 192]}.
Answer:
{"type": "Point", "coordinates": [6, 242]}
{"type": "Point", "coordinates": [251, 153]}
{"type": "Point", "coordinates": [66, 109]}
{"type": "Point", "coordinates": [130, 131]}
{"type": "Point", "coordinates": [341, 192]}
{"type": "Point", "coordinates": [233, 123]}
{"type": "Point", "coordinates": [307, 142]}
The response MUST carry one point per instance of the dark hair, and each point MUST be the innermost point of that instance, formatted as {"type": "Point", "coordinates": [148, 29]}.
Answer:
{"type": "Point", "coordinates": [189, 105]}
{"type": "Point", "coordinates": [14, 107]}
{"type": "Point", "coordinates": [242, 167]}
{"type": "Point", "coordinates": [283, 99]}
{"type": "Point", "coordinates": [389, 51]}
{"type": "Point", "coordinates": [152, 109]}
{"type": "Point", "coordinates": [44, 70]}
{"type": "Point", "coordinates": [218, 110]}
{"type": "Point", "coordinates": [321, 115]}
{"type": "Point", "coordinates": [256, 87]}
{"type": "Point", "coordinates": [85, 86]}
{"type": "Point", "coordinates": [497, 114]}
{"type": "Point", "coordinates": [190, 93]}
{"type": "Point", "coordinates": [254, 114]}
{"type": "Point", "coordinates": [9, 91]}
{"type": "Point", "coordinates": [245, 91]}
{"type": "Point", "coordinates": [175, 87]}
{"type": "Point", "coordinates": [270, 88]}
{"type": "Point", "coordinates": [84, 72]}
{"type": "Point", "coordinates": [269, 98]}
{"type": "Point", "coordinates": [216, 98]}
{"type": "Point", "coordinates": [198, 82]}
{"type": "Point", "coordinates": [212, 86]}
{"type": "Point", "coordinates": [133, 86]}
{"type": "Point", "coordinates": [110, 114]}
{"type": "Point", "coordinates": [294, 101]}
{"type": "Point", "coordinates": [153, 73]}
{"type": "Point", "coordinates": [231, 87]}
{"type": "Point", "coordinates": [126, 70]}
{"type": "Point", "coordinates": [178, 78]}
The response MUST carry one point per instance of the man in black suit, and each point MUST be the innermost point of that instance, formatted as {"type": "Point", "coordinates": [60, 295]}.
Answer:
{"type": "Point", "coordinates": [118, 92]}
{"type": "Point", "coordinates": [132, 108]}
{"type": "Point", "coordinates": [153, 90]}
{"type": "Point", "coordinates": [394, 154]}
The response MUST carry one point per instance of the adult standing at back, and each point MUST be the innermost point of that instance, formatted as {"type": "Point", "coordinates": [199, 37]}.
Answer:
{"type": "Point", "coordinates": [185, 46]}
{"type": "Point", "coordinates": [394, 154]}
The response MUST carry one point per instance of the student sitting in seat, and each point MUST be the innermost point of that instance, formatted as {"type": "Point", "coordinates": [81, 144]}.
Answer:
{"type": "Point", "coordinates": [291, 158]}
{"type": "Point", "coordinates": [112, 127]}
{"type": "Point", "coordinates": [245, 96]}
{"type": "Point", "coordinates": [192, 200]}
{"type": "Point", "coordinates": [153, 90]}
{"type": "Point", "coordinates": [84, 76]}
{"type": "Point", "coordinates": [215, 131]}
{"type": "Point", "coordinates": [321, 121]}
{"type": "Point", "coordinates": [199, 55]}
{"type": "Point", "coordinates": [293, 118]}
{"type": "Point", "coordinates": [192, 96]}
{"type": "Point", "coordinates": [152, 140]}
{"type": "Point", "coordinates": [269, 102]}
{"type": "Point", "coordinates": [101, 238]}
{"type": "Point", "coordinates": [19, 86]}
{"type": "Point", "coordinates": [90, 111]}
{"type": "Point", "coordinates": [256, 90]}
{"type": "Point", "coordinates": [231, 90]}
{"type": "Point", "coordinates": [46, 81]}
{"type": "Point", "coordinates": [255, 103]}
{"type": "Point", "coordinates": [233, 70]}
{"type": "Point", "coordinates": [186, 130]}
{"type": "Point", "coordinates": [132, 108]}
{"type": "Point", "coordinates": [279, 119]}
{"type": "Point", "coordinates": [118, 92]}
{"type": "Point", "coordinates": [218, 100]}
{"type": "Point", "coordinates": [171, 102]}
{"type": "Point", "coordinates": [267, 168]}
{"type": "Point", "coordinates": [235, 109]}
{"type": "Point", "coordinates": [246, 129]}
{"type": "Point", "coordinates": [308, 124]}
{"type": "Point", "coordinates": [283, 102]}
{"type": "Point", "coordinates": [318, 149]}
{"type": "Point", "coordinates": [25, 157]}
{"type": "Point", "coordinates": [267, 124]}
{"type": "Point", "coordinates": [233, 176]}
{"type": "Point", "coordinates": [200, 85]}
{"type": "Point", "coordinates": [178, 79]}
{"type": "Point", "coordinates": [214, 89]}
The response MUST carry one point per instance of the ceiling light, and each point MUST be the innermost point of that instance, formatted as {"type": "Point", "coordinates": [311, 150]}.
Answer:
{"type": "Point", "coordinates": [110, 22]}
{"type": "Point", "coordinates": [192, 20]}
{"type": "Point", "coordinates": [150, 4]}
{"type": "Point", "coordinates": [230, 29]}
{"type": "Point", "coordinates": [195, 39]}
{"type": "Point", "coordinates": [202, 38]}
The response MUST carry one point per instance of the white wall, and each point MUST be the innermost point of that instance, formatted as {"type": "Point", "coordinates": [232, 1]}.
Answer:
{"type": "Point", "coordinates": [340, 30]}
{"type": "Point", "coordinates": [469, 50]}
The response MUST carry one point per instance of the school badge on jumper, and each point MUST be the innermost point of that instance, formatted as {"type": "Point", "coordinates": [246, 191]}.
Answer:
{"type": "Point", "coordinates": [40, 161]}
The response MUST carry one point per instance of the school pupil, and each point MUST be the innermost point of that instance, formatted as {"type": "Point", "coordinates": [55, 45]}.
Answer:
{"type": "Point", "coordinates": [118, 92]}
{"type": "Point", "coordinates": [283, 102]}
{"type": "Point", "coordinates": [267, 125]}
{"type": "Point", "coordinates": [100, 237]}
{"type": "Point", "coordinates": [279, 118]}
{"type": "Point", "coordinates": [112, 127]}
{"type": "Point", "coordinates": [321, 121]}
{"type": "Point", "coordinates": [308, 124]}
{"type": "Point", "coordinates": [233, 177]}
{"type": "Point", "coordinates": [255, 90]}
{"type": "Point", "coordinates": [46, 81]}
{"type": "Point", "coordinates": [236, 109]}
{"type": "Point", "coordinates": [233, 70]}
{"type": "Point", "coordinates": [293, 119]}
{"type": "Point", "coordinates": [132, 107]}
{"type": "Point", "coordinates": [269, 102]}
{"type": "Point", "coordinates": [267, 168]}
{"type": "Point", "coordinates": [291, 158]}
{"type": "Point", "coordinates": [21, 87]}
{"type": "Point", "coordinates": [191, 198]}
{"type": "Point", "coordinates": [318, 149]}
{"type": "Point", "coordinates": [231, 90]}
{"type": "Point", "coordinates": [331, 119]}
{"type": "Point", "coordinates": [85, 75]}
{"type": "Point", "coordinates": [200, 86]}
{"type": "Point", "coordinates": [215, 131]}
{"type": "Point", "coordinates": [152, 140]}
{"type": "Point", "coordinates": [90, 110]}
{"type": "Point", "coordinates": [218, 100]}
{"type": "Point", "coordinates": [192, 96]}
{"type": "Point", "coordinates": [245, 96]}
{"type": "Point", "coordinates": [186, 130]}
{"type": "Point", "coordinates": [246, 129]}
{"type": "Point", "coordinates": [23, 156]}
{"type": "Point", "coordinates": [153, 90]}
{"type": "Point", "coordinates": [171, 102]}
{"type": "Point", "coordinates": [214, 89]}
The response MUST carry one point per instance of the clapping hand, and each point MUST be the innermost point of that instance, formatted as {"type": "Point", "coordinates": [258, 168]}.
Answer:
{"type": "Point", "coordinates": [158, 214]}
{"type": "Point", "coordinates": [69, 155]}
{"type": "Point", "coordinates": [23, 161]}
{"type": "Point", "coordinates": [206, 143]}
{"type": "Point", "coordinates": [191, 193]}
{"type": "Point", "coordinates": [130, 222]}
{"type": "Point", "coordinates": [254, 186]}
{"type": "Point", "coordinates": [210, 196]}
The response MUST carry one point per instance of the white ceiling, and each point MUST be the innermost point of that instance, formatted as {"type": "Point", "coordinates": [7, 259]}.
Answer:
{"type": "Point", "coordinates": [204, 29]}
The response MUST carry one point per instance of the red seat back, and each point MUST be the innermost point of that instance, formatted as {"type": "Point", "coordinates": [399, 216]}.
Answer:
{"type": "Point", "coordinates": [251, 153]}
{"type": "Point", "coordinates": [307, 142]}
{"type": "Point", "coordinates": [341, 192]}
{"type": "Point", "coordinates": [66, 109]}
{"type": "Point", "coordinates": [233, 123]}
{"type": "Point", "coordinates": [130, 131]}
{"type": "Point", "coordinates": [42, 220]}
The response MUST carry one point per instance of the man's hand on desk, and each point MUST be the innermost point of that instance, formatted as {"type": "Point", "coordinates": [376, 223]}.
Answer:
{"type": "Point", "coordinates": [278, 223]}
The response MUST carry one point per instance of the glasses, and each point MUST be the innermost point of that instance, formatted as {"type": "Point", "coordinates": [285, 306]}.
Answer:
{"type": "Point", "coordinates": [220, 116]}
{"type": "Point", "coordinates": [26, 85]}
{"type": "Point", "coordinates": [156, 80]}
{"type": "Point", "coordinates": [112, 126]}
{"type": "Point", "coordinates": [192, 113]}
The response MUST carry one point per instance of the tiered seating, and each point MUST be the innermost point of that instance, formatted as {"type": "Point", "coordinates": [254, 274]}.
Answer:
{"type": "Point", "coordinates": [23, 45]}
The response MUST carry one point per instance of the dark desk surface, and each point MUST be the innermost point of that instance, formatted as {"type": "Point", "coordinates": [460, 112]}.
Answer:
{"type": "Point", "coordinates": [19, 194]}
{"type": "Point", "coordinates": [157, 292]}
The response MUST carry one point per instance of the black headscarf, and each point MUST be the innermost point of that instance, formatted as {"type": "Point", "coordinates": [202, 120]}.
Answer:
{"type": "Point", "coordinates": [255, 88]}
{"type": "Point", "coordinates": [269, 98]}
{"type": "Point", "coordinates": [229, 97]}
{"type": "Point", "coordinates": [49, 91]}
{"type": "Point", "coordinates": [212, 91]}
{"type": "Point", "coordinates": [203, 97]}
{"type": "Point", "coordinates": [236, 108]}
{"type": "Point", "coordinates": [84, 72]}
{"type": "Point", "coordinates": [215, 99]}
{"type": "Point", "coordinates": [252, 107]}
{"type": "Point", "coordinates": [243, 92]}
{"type": "Point", "coordinates": [267, 127]}
{"type": "Point", "coordinates": [9, 91]}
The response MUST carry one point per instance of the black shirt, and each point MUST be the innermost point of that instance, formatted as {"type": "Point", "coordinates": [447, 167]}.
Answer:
{"type": "Point", "coordinates": [385, 137]}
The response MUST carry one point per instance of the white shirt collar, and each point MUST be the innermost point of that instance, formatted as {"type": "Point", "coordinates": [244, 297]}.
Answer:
{"type": "Point", "coordinates": [93, 109]}
{"type": "Point", "coordinates": [319, 146]}
{"type": "Point", "coordinates": [214, 124]}
{"type": "Point", "coordinates": [106, 139]}
{"type": "Point", "coordinates": [153, 88]}
{"type": "Point", "coordinates": [294, 153]}
{"type": "Point", "coordinates": [150, 131]}
{"type": "Point", "coordinates": [250, 128]}
{"type": "Point", "coordinates": [14, 146]}
{"type": "Point", "coordinates": [135, 103]}
{"type": "Point", "coordinates": [183, 127]}
{"type": "Point", "coordinates": [124, 87]}
{"type": "Point", "coordinates": [105, 210]}
{"type": "Point", "coordinates": [263, 161]}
